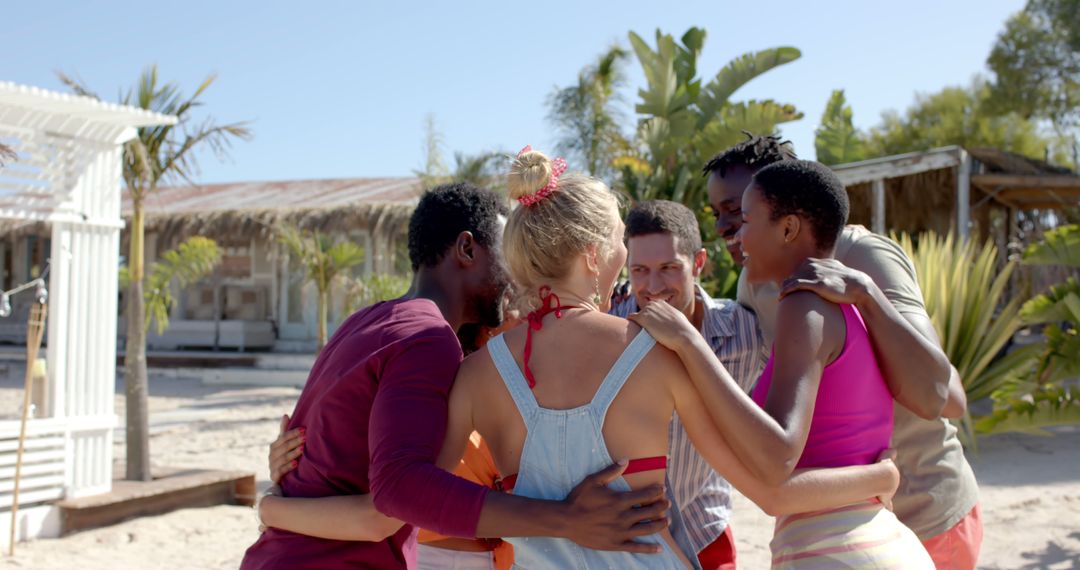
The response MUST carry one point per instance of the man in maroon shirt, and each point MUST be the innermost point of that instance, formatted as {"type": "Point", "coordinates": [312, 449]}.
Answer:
{"type": "Point", "coordinates": [375, 408]}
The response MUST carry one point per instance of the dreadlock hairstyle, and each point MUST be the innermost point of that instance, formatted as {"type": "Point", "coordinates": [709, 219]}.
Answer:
{"type": "Point", "coordinates": [755, 153]}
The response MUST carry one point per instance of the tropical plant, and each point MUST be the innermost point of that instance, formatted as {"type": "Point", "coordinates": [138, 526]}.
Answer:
{"type": "Point", "coordinates": [323, 260]}
{"type": "Point", "coordinates": [163, 153]}
{"type": "Point", "coordinates": [6, 153]}
{"type": "Point", "coordinates": [1036, 63]}
{"type": "Point", "coordinates": [369, 289]}
{"type": "Point", "coordinates": [959, 116]}
{"type": "Point", "coordinates": [964, 291]}
{"type": "Point", "coordinates": [683, 122]}
{"type": "Point", "coordinates": [485, 169]}
{"type": "Point", "coordinates": [185, 265]}
{"type": "Point", "coordinates": [434, 165]}
{"type": "Point", "coordinates": [1045, 397]}
{"type": "Point", "coordinates": [836, 140]}
{"type": "Point", "coordinates": [587, 117]}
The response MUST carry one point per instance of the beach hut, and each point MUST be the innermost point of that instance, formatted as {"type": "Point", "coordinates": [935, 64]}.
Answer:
{"type": "Point", "coordinates": [66, 174]}
{"type": "Point", "coordinates": [975, 192]}
{"type": "Point", "coordinates": [257, 297]}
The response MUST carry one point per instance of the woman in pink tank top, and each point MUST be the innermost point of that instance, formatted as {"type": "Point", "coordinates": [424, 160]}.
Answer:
{"type": "Point", "coordinates": [822, 387]}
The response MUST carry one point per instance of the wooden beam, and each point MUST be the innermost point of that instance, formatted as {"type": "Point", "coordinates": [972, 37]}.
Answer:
{"type": "Point", "coordinates": [963, 195]}
{"type": "Point", "coordinates": [1032, 181]}
{"type": "Point", "coordinates": [1043, 205]}
{"type": "Point", "coordinates": [1021, 193]}
{"type": "Point", "coordinates": [897, 166]}
{"type": "Point", "coordinates": [877, 208]}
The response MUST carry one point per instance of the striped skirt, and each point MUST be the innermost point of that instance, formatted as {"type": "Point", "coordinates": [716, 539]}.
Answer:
{"type": "Point", "coordinates": [861, 536]}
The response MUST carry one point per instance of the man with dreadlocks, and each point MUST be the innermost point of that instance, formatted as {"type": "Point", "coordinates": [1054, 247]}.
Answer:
{"type": "Point", "coordinates": [938, 495]}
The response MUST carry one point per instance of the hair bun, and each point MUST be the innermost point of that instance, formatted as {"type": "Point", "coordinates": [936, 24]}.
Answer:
{"type": "Point", "coordinates": [530, 172]}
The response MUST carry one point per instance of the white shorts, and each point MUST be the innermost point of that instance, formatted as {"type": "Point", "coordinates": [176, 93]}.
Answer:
{"type": "Point", "coordinates": [431, 558]}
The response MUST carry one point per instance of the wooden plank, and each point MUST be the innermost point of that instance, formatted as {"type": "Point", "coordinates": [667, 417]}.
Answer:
{"type": "Point", "coordinates": [36, 482]}
{"type": "Point", "coordinates": [1045, 205]}
{"type": "Point", "coordinates": [29, 470]}
{"type": "Point", "coordinates": [187, 489]}
{"type": "Point", "coordinates": [1037, 193]}
{"type": "Point", "coordinates": [877, 209]}
{"type": "Point", "coordinates": [1027, 181]}
{"type": "Point", "coordinates": [32, 497]}
{"type": "Point", "coordinates": [897, 166]}
{"type": "Point", "coordinates": [963, 195]}
{"type": "Point", "coordinates": [31, 443]}
{"type": "Point", "coordinates": [35, 457]}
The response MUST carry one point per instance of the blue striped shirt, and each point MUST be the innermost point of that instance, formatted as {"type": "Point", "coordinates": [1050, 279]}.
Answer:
{"type": "Point", "coordinates": [702, 496]}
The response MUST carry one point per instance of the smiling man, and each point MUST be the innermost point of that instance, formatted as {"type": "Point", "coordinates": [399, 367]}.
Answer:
{"type": "Point", "coordinates": [665, 259]}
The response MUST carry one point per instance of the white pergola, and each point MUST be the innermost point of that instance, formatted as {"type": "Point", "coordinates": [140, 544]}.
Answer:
{"type": "Point", "coordinates": [68, 174]}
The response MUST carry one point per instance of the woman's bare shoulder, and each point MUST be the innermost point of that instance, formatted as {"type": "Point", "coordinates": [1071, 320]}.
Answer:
{"type": "Point", "coordinates": [803, 315]}
{"type": "Point", "coordinates": [477, 368]}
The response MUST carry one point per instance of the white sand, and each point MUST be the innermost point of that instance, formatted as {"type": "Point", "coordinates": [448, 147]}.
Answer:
{"type": "Point", "coordinates": [1030, 491]}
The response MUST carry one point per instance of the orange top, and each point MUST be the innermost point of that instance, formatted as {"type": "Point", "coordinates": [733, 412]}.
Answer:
{"type": "Point", "coordinates": [477, 466]}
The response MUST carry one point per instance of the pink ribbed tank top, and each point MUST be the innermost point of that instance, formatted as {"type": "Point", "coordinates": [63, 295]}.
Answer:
{"type": "Point", "coordinates": [853, 412]}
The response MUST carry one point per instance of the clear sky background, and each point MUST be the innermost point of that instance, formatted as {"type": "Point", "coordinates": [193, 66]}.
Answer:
{"type": "Point", "coordinates": [341, 89]}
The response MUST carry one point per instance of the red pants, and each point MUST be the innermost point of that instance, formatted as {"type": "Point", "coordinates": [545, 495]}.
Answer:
{"type": "Point", "coordinates": [958, 547]}
{"type": "Point", "coordinates": [720, 555]}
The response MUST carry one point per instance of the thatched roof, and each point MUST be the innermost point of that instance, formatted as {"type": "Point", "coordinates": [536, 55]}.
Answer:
{"type": "Point", "coordinates": [252, 208]}
{"type": "Point", "coordinates": [920, 187]}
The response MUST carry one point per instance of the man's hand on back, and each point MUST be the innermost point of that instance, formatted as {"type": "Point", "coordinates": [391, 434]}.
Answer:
{"type": "Point", "coordinates": [600, 518]}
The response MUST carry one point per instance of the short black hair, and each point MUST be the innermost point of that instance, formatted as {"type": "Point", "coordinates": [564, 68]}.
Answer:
{"type": "Point", "coordinates": [755, 153]}
{"type": "Point", "coordinates": [665, 217]}
{"type": "Point", "coordinates": [447, 210]}
{"type": "Point", "coordinates": [808, 189]}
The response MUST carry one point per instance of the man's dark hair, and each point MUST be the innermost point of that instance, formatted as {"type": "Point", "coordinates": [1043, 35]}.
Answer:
{"type": "Point", "coordinates": [665, 217]}
{"type": "Point", "coordinates": [447, 210]}
{"type": "Point", "coordinates": [755, 152]}
{"type": "Point", "coordinates": [808, 189]}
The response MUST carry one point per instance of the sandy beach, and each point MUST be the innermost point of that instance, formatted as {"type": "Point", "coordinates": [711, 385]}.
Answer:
{"type": "Point", "coordinates": [1030, 489]}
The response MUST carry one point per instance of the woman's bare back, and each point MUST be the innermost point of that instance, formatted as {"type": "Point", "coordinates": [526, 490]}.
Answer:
{"type": "Point", "coordinates": [571, 357]}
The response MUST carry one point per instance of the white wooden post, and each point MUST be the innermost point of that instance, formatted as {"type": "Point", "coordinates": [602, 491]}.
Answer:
{"type": "Point", "coordinates": [877, 207]}
{"type": "Point", "coordinates": [82, 329]}
{"type": "Point", "coordinates": [963, 195]}
{"type": "Point", "coordinates": [67, 174]}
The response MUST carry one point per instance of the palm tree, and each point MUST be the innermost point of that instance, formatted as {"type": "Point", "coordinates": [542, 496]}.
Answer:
{"type": "Point", "coordinates": [157, 154]}
{"type": "Point", "coordinates": [184, 265]}
{"type": "Point", "coordinates": [323, 260]}
{"type": "Point", "coordinates": [587, 116]}
{"type": "Point", "coordinates": [682, 122]}
{"type": "Point", "coordinates": [836, 140]}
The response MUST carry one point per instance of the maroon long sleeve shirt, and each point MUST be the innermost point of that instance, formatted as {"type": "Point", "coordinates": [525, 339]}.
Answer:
{"type": "Point", "coordinates": [375, 410]}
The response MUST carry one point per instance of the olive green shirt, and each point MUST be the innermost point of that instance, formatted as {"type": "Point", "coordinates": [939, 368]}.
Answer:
{"type": "Point", "coordinates": [937, 486]}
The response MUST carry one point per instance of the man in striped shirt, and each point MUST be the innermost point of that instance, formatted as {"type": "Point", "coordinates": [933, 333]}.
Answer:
{"type": "Point", "coordinates": [665, 259]}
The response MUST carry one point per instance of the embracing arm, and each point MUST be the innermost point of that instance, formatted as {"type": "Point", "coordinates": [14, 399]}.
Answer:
{"type": "Point", "coordinates": [339, 518]}
{"type": "Point", "coordinates": [805, 490]}
{"type": "Point", "coordinates": [879, 279]}
{"type": "Point", "coordinates": [915, 368]}
{"type": "Point", "coordinates": [592, 515]}
{"type": "Point", "coordinates": [409, 424]}
{"type": "Point", "coordinates": [770, 441]}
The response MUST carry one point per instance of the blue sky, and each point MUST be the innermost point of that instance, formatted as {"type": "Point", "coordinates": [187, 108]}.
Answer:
{"type": "Point", "coordinates": [341, 89]}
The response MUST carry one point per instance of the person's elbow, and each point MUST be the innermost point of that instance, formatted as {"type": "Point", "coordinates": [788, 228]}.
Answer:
{"type": "Point", "coordinates": [929, 406]}
{"type": "Point", "coordinates": [929, 402]}
{"type": "Point", "coordinates": [384, 529]}
{"type": "Point", "coordinates": [774, 471]}
{"type": "Point", "coordinates": [383, 483]}
{"type": "Point", "coordinates": [769, 501]}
